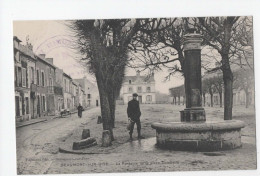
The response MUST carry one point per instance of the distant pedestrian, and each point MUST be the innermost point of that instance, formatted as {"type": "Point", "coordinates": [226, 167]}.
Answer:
{"type": "Point", "coordinates": [80, 109]}
{"type": "Point", "coordinates": [134, 114]}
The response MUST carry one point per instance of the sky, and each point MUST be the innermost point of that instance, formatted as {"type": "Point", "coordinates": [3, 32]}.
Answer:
{"type": "Point", "coordinates": [52, 38]}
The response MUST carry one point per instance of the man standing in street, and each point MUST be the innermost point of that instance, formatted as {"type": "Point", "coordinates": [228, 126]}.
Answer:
{"type": "Point", "coordinates": [80, 109]}
{"type": "Point", "coordinates": [134, 113]}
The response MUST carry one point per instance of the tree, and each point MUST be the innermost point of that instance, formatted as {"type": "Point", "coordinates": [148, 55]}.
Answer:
{"type": "Point", "coordinates": [160, 49]}
{"type": "Point", "coordinates": [173, 93]}
{"type": "Point", "coordinates": [219, 33]}
{"type": "Point", "coordinates": [177, 92]}
{"type": "Point", "coordinates": [218, 85]}
{"type": "Point", "coordinates": [104, 44]}
{"type": "Point", "coordinates": [245, 81]}
{"type": "Point", "coordinates": [208, 87]}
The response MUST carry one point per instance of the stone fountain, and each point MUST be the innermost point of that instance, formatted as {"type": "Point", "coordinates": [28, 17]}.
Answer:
{"type": "Point", "coordinates": [193, 132]}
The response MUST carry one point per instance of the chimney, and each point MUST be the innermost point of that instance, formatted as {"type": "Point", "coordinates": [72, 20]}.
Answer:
{"type": "Point", "coordinates": [29, 46]}
{"type": "Point", "coordinates": [50, 60]}
{"type": "Point", "coordinates": [42, 55]}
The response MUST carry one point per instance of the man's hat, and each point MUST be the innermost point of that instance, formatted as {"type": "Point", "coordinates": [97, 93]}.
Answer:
{"type": "Point", "coordinates": [135, 95]}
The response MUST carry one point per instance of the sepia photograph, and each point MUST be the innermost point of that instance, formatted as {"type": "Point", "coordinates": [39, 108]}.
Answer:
{"type": "Point", "coordinates": [166, 88]}
{"type": "Point", "coordinates": [134, 95]}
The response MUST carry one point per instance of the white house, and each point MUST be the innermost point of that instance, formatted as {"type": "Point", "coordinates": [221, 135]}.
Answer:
{"type": "Point", "coordinates": [144, 86]}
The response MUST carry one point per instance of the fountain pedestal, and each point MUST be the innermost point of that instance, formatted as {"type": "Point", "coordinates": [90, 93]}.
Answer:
{"type": "Point", "coordinates": [197, 136]}
{"type": "Point", "coordinates": [194, 132]}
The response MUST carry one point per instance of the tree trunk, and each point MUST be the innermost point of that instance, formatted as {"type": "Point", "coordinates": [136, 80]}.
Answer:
{"type": "Point", "coordinates": [104, 104]}
{"type": "Point", "coordinates": [228, 93]}
{"type": "Point", "coordinates": [220, 99]}
{"type": "Point", "coordinates": [211, 100]}
{"type": "Point", "coordinates": [227, 73]}
{"type": "Point", "coordinates": [112, 106]}
{"type": "Point", "coordinates": [179, 100]}
{"type": "Point", "coordinates": [247, 98]}
{"type": "Point", "coordinates": [204, 99]}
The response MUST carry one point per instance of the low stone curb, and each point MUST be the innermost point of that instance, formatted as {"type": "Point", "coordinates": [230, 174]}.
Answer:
{"type": "Point", "coordinates": [27, 124]}
{"type": "Point", "coordinates": [43, 120]}
{"type": "Point", "coordinates": [198, 126]}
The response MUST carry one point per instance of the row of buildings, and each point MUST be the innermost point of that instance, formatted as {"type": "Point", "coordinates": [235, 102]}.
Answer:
{"type": "Point", "coordinates": [43, 89]}
{"type": "Point", "coordinates": [213, 89]}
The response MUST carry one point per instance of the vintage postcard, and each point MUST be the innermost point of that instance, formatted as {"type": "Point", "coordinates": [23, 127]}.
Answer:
{"type": "Point", "coordinates": [92, 90]}
{"type": "Point", "coordinates": [134, 95]}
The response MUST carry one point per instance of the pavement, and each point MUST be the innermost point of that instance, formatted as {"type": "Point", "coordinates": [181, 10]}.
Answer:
{"type": "Point", "coordinates": [39, 120]}
{"type": "Point", "coordinates": [38, 145]}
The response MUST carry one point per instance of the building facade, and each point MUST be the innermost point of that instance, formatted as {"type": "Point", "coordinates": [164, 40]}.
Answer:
{"type": "Point", "coordinates": [58, 90]}
{"type": "Point", "coordinates": [216, 98]}
{"type": "Point", "coordinates": [144, 86]}
{"type": "Point", "coordinates": [24, 66]}
{"type": "Point", "coordinates": [67, 91]}
{"type": "Point", "coordinates": [91, 92]}
{"type": "Point", "coordinates": [42, 89]}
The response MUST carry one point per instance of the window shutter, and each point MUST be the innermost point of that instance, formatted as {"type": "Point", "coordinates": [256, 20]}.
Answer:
{"type": "Point", "coordinates": [16, 77]}
{"type": "Point", "coordinates": [23, 77]}
{"type": "Point", "coordinates": [26, 77]}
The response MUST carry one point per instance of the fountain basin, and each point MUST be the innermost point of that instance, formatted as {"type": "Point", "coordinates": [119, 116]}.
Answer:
{"type": "Point", "coordinates": [199, 136]}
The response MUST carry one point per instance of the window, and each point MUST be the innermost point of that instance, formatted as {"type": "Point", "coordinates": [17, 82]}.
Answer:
{"type": "Point", "coordinates": [17, 56]}
{"type": "Point", "coordinates": [130, 89]}
{"type": "Point", "coordinates": [148, 89]}
{"type": "Point", "coordinates": [23, 106]}
{"type": "Point", "coordinates": [23, 77]}
{"type": "Point", "coordinates": [38, 78]}
{"type": "Point", "coordinates": [19, 77]}
{"type": "Point", "coordinates": [17, 105]}
{"type": "Point", "coordinates": [32, 75]}
{"type": "Point", "coordinates": [43, 79]}
{"type": "Point", "coordinates": [130, 81]}
{"type": "Point", "coordinates": [27, 105]}
{"type": "Point", "coordinates": [43, 103]}
{"type": "Point", "coordinates": [89, 95]}
{"type": "Point", "coordinates": [148, 98]}
{"type": "Point", "coordinates": [139, 89]}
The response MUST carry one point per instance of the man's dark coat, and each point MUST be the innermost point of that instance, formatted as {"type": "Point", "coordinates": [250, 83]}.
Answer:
{"type": "Point", "coordinates": [80, 109]}
{"type": "Point", "coordinates": [133, 110]}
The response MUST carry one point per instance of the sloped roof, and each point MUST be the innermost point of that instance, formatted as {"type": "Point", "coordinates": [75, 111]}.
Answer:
{"type": "Point", "coordinates": [81, 82]}
{"type": "Point", "coordinates": [68, 76]}
{"type": "Point", "coordinates": [142, 78]}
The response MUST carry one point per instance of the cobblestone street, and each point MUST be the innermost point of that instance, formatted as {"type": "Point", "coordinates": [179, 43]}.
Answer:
{"type": "Point", "coordinates": [37, 145]}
